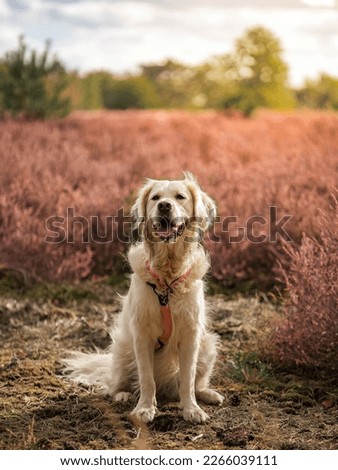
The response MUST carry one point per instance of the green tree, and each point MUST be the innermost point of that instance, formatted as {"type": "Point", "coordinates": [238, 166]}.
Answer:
{"type": "Point", "coordinates": [260, 73]}
{"type": "Point", "coordinates": [133, 92]}
{"type": "Point", "coordinates": [172, 81]}
{"type": "Point", "coordinates": [32, 84]}
{"type": "Point", "coordinates": [321, 93]}
{"type": "Point", "coordinates": [213, 81]}
{"type": "Point", "coordinates": [93, 86]}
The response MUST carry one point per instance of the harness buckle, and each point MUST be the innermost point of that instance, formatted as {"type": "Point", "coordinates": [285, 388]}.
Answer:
{"type": "Point", "coordinates": [163, 297]}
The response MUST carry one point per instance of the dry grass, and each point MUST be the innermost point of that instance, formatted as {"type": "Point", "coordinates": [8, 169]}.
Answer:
{"type": "Point", "coordinates": [265, 408]}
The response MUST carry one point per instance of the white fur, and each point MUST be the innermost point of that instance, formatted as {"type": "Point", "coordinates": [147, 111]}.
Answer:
{"type": "Point", "coordinates": [182, 369]}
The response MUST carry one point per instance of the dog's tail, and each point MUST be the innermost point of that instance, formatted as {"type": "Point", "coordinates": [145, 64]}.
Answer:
{"type": "Point", "coordinates": [93, 369]}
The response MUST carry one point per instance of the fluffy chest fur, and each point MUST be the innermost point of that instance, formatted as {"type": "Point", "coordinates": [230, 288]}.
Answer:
{"type": "Point", "coordinates": [142, 308]}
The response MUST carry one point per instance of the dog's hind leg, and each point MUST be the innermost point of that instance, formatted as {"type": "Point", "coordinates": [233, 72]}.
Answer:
{"type": "Point", "coordinates": [123, 371]}
{"type": "Point", "coordinates": [205, 364]}
{"type": "Point", "coordinates": [123, 397]}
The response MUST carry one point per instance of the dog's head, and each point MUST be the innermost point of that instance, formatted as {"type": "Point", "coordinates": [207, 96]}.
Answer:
{"type": "Point", "coordinates": [166, 210]}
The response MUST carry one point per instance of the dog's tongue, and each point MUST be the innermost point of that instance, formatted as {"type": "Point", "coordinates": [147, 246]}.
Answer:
{"type": "Point", "coordinates": [166, 231]}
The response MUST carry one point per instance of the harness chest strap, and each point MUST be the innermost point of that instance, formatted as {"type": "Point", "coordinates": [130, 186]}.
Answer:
{"type": "Point", "coordinates": [163, 298]}
{"type": "Point", "coordinates": [167, 326]}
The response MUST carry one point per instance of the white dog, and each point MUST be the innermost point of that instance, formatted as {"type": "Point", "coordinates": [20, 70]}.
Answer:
{"type": "Point", "coordinates": [161, 346]}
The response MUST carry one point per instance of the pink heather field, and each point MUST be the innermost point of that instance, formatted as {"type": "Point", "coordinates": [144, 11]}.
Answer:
{"type": "Point", "coordinates": [94, 162]}
{"type": "Point", "coordinates": [274, 256]}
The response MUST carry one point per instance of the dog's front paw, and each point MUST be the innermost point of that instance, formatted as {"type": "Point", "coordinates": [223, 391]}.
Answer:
{"type": "Point", "coordinates": [146, 415]}
{"type": "Point", "coordinates": [195, 415]}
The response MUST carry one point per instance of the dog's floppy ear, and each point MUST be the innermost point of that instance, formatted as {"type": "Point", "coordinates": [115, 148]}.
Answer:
{"type": "Point", "coordinates": [138, 210]}
{"type": "Point", "coordinates": [204, 206]}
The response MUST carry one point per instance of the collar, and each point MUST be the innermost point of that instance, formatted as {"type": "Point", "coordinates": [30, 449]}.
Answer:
{"type": "Point", "coordinates": [162, 283]}
{"type": "Point", "coordinates": [163, 293]}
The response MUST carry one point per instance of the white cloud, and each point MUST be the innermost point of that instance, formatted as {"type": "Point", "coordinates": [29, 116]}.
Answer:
{"type": "Point", "coordinates": [120, 34]}
{"type": "Point", "coordinates": [127, 13]}
{"type": "Point", "coordinates": [5, 11]}
{"type": "Point", "coordinates": [8, 38]}
{"type": "Point", "coordinates": [320, 3]}
{"type": "Point", "coordinates": [133, 13]}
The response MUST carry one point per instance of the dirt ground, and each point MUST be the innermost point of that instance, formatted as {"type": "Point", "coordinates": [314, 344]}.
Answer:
{"type": "Point", "coordinates": [265, 407]}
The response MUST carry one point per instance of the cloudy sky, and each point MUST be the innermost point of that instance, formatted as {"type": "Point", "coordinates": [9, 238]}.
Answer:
{"type": "Point", "coordinates": [118, 35]}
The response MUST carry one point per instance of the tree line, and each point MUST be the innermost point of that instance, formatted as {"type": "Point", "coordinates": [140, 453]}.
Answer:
{"type": "Point", "coordinates": [253, 75]}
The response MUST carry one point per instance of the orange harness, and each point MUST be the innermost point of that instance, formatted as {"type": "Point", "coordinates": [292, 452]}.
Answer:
{"type": "Point", "coordinates": [163, 293]}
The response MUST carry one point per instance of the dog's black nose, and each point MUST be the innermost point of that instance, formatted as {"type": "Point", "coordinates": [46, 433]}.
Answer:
{"type": "Point", "coordinates": [164, 206]}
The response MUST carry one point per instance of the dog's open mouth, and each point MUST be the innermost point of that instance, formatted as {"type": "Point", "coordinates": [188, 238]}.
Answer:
{"type": "Point", "coordinates": [167, 229]}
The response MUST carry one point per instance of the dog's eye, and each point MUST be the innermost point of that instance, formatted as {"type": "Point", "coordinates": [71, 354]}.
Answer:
{"type": "Point", "coordinates": [156, 197]}
{"type": "Point", "coordinates": [180, 196]}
